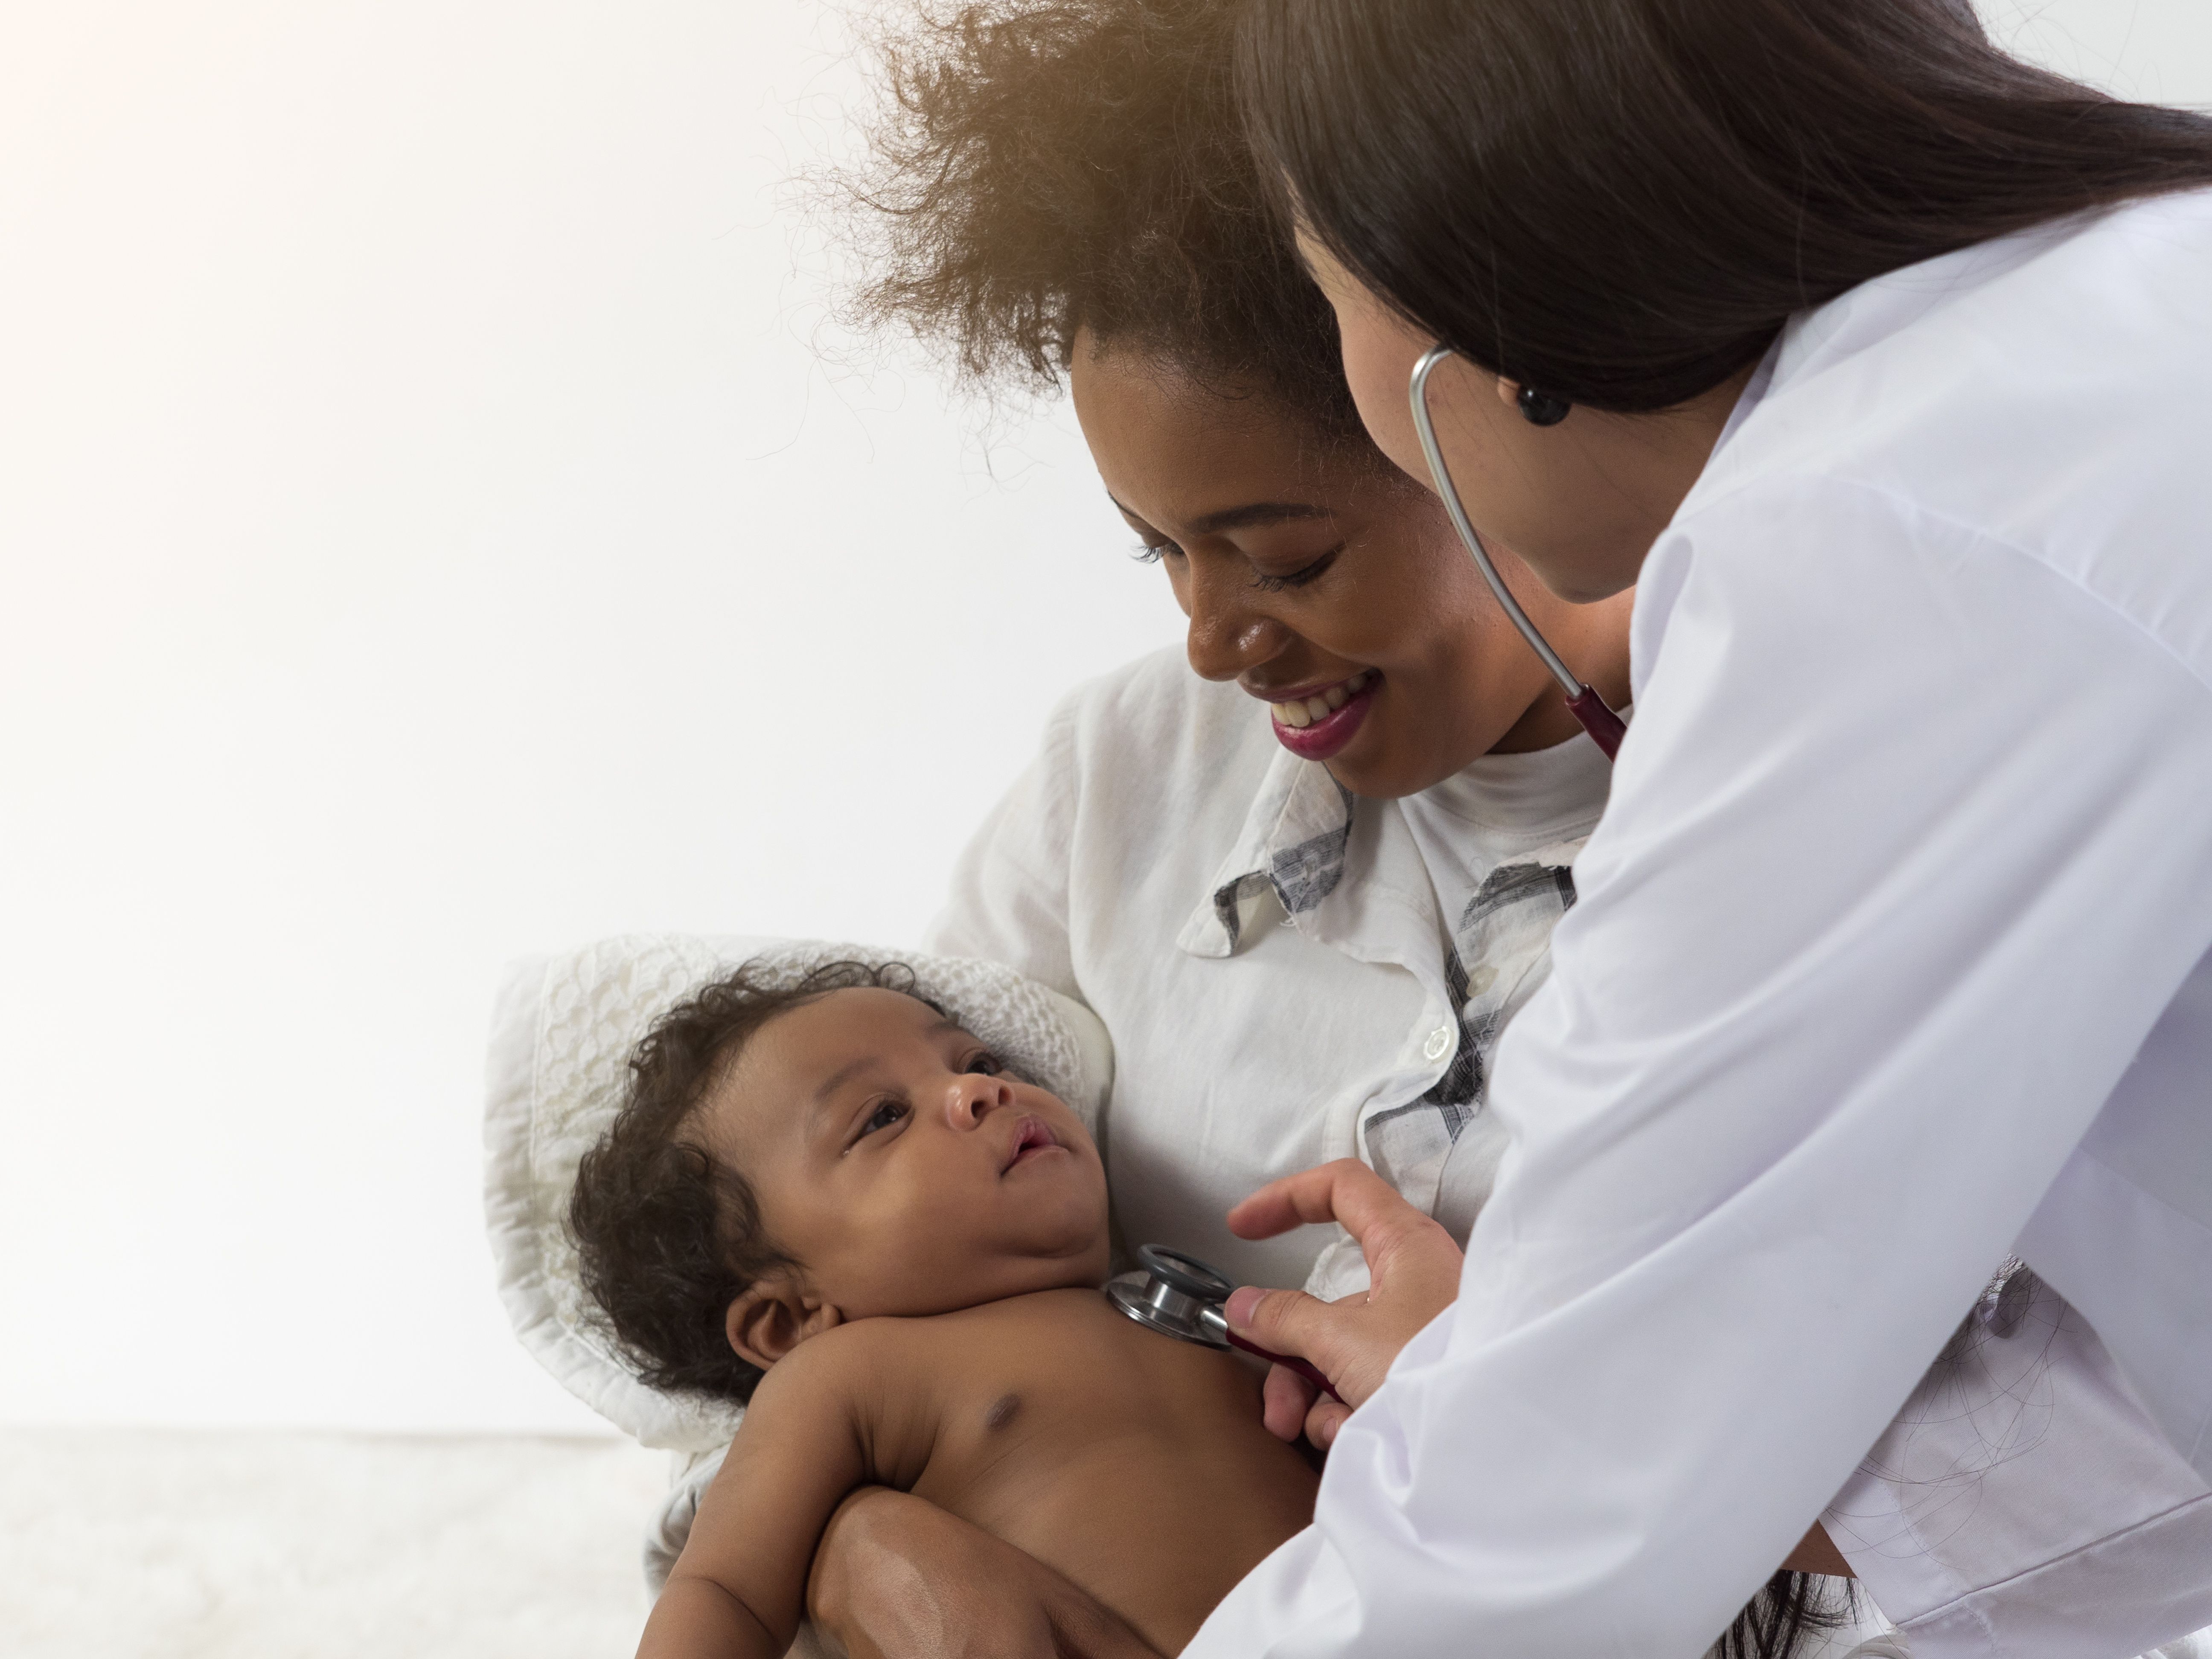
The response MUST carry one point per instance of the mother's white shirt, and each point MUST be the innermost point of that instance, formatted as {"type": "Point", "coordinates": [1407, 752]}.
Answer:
{"type": "Point", "coordinates": [1890, 957]}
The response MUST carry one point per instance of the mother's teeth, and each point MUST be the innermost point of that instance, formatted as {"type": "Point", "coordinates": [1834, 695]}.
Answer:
{"type": "Point", "coordinates": [1319, 707]}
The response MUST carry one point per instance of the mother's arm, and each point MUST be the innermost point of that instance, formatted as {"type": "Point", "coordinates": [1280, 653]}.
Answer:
{"type": "Point", "coordinates": [896, 1577]}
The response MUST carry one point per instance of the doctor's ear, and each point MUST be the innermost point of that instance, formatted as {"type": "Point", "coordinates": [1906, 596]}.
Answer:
{"type": "Point", "coordinates": [772, 1315]}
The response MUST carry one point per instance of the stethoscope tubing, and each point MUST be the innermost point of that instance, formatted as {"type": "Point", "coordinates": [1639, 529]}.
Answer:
{"type": "Point", "coordinates": [1605, 727]}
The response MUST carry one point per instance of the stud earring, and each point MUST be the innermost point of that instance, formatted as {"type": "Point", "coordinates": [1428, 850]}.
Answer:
{"type": "Point", "coordinates": [1541, 408]}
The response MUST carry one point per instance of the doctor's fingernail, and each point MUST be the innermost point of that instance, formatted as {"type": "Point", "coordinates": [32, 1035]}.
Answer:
{"type": "Point", "coordinates": [1242, 1304]}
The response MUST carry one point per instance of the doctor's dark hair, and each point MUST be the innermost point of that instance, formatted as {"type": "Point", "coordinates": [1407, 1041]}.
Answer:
{"type": "Point", "coordinates": [667, 1235]}
{"type": "Point", "coordinates": [1044, 166]}
{"type": "Point", "coordinates": [1620, 202]}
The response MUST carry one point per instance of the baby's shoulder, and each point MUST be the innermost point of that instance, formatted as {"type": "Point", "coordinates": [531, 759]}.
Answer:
{"type": "Point", "coordinates": [966, 1337]}
{"type": "Point", "coordinates": [876, 1385]}
{"type": "Point", "coordinates": [906, 1353]}
{"type": "Point", "coordinates": [822, 1374]}
{"type": "Point", "coordinates": [897, 1377]}
{"type": "Point", "coordinates": [1073, 1340]}
{"type": "Point", "coordinates": [953, 1353]}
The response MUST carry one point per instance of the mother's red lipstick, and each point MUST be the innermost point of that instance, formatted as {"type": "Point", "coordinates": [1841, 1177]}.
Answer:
{"type": "Point", "coordinates": [1329, 734]}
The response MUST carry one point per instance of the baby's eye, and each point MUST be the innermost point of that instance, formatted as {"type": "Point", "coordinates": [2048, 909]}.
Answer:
{"type": "Point", "coordinates": [887, 1114]}
{"type": "Point", "coordinates": [984, 1064]}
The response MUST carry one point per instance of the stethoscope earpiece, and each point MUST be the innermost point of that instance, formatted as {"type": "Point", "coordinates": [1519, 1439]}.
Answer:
{"type": "Point", "coordinates": [1179, 1295]}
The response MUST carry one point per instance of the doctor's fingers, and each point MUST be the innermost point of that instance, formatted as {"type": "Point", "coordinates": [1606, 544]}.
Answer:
{"type": "Point", "coordinates": [1345, 1191]}
{"type": "Point", "coordinates": [1326, 1417]}
{"type": "Point", "coordinates": [1351, 1342]}
{"type": "Point", "coordinates": [1286, 1401]}
{"type": "Point", "coordinates": [1409, 1256]}
{"type": "Point", "coordinates": [1291, 1406]}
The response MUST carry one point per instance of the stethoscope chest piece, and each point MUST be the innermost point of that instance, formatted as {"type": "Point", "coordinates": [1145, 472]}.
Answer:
{"type": "Point", "coordinates": [1179, 1295]}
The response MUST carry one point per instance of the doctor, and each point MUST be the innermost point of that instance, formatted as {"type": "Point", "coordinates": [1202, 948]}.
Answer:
{"type": "Point", "coordinates": [1879, 362]}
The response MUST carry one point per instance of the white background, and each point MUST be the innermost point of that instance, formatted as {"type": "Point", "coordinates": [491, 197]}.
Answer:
{"type": "Point", "coordinates": [429, 534]}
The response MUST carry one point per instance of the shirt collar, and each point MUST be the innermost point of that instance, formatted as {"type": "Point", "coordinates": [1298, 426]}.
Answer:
{"type": "Point", "coordinates": [1292, 845]}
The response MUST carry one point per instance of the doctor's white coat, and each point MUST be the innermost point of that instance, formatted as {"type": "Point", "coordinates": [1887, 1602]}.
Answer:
{"type": "Point", "coordinates": [1890, 958]}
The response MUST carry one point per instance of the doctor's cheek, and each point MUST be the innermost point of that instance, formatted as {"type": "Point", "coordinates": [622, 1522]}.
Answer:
{"type": "Point", "coordinates": [1378, 362]}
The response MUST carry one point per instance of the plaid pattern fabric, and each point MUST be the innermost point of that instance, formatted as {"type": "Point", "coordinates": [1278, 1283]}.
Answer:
{"type": "Point", "coordinates": [1499, 954]}
{"type": "Point", "coordinates": [1293, 854]}
{"type": "Point", "coordinates": [1292, 851]}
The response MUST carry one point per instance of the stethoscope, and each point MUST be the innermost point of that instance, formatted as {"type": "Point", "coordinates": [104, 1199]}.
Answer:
{"type": "Point", "coordinates": [1180, 1297]}
{"type": "Point", "coordinates": [1604, 726]}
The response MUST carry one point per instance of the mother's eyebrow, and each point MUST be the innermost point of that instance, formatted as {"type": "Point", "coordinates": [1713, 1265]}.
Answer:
{"type": "Point", "coordinates": [1240, 517]}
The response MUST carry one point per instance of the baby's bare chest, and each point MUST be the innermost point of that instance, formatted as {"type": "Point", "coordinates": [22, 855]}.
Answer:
{"type": "Point", "coordinates": [1135, 1464]}
{"type": "Point", "coordinates": [1059, 1381]}
{"type": "Point", "coordinates": [1062, 1368]}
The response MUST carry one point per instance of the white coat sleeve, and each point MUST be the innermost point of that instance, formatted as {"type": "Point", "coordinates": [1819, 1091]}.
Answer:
{"type": "Point", "coordinates": [1909, 848]}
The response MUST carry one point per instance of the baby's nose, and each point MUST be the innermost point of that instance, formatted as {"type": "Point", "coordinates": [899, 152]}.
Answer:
{"type": "Point", "coordinates": [975, 1097]}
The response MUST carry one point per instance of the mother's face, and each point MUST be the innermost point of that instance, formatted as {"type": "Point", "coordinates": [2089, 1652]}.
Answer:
{"type": "Point", "coordinates": [1327, 586]}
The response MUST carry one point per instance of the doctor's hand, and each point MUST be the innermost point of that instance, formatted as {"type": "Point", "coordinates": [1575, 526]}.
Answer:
{"type": "Point", "coordinates": [1412, 1268]}
{"type": "Point", "coordinates": [896, 1577]}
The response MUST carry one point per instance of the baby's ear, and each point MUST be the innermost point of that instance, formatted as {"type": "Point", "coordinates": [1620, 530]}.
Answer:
{"type": "Point", "coordinates": [774, 1316]}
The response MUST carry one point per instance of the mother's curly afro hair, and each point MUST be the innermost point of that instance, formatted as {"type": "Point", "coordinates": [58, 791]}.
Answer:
{"type": "Point", "coordinates": [1043, 166]}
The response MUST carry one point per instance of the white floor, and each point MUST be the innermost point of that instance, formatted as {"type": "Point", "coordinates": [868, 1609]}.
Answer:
{"type": "Point", "coordinates": [153, 1545]}
{"type": "Point", "coordinates": [147, 1544]}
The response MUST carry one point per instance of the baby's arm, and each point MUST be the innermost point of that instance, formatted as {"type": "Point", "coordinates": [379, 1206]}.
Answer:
{"type": "Point", "coordinates": [738, 1590]}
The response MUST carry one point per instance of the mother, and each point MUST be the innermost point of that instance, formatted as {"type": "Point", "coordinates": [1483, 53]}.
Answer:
{"type": "Point", "coordinates": [1306, 884]}
{"type": "Point", "coordinates": [1882, 361]}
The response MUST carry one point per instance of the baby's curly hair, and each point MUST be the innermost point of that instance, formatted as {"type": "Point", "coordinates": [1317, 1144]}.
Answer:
{"type": "Point", "coordinates": [667, 1235]}
{"type": "Point", "coordinates": [1043, 166]}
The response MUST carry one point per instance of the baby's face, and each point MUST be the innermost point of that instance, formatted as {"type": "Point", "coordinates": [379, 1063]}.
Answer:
{"type": "Point", "coordinates": [905, 1170]}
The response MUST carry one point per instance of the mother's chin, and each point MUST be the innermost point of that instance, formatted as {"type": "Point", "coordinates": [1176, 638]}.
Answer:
{"type": "Point", "coordinates": [1413, 735]}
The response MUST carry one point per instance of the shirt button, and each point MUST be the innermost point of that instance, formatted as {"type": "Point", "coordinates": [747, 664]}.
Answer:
{"type": "Point", "coordinates": [1439, 1041]}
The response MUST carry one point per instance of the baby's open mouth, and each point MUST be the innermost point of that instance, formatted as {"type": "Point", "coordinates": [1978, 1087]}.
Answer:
{"type": "Point", "coordinates": [1033, 1137]}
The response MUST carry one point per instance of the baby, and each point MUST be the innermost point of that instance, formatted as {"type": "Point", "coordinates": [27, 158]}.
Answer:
{"type": "Point", "coordinates": [834, 1202]}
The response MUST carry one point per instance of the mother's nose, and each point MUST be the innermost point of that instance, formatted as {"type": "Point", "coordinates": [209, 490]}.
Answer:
{"type": "Point", "coordinates": [1228, 632]}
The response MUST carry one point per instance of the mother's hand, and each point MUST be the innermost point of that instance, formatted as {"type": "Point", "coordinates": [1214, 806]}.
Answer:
{"type": "Point", "coordinates": [896, 1577]}
{"type": "Point", "coordinates": [1412, 1269]}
